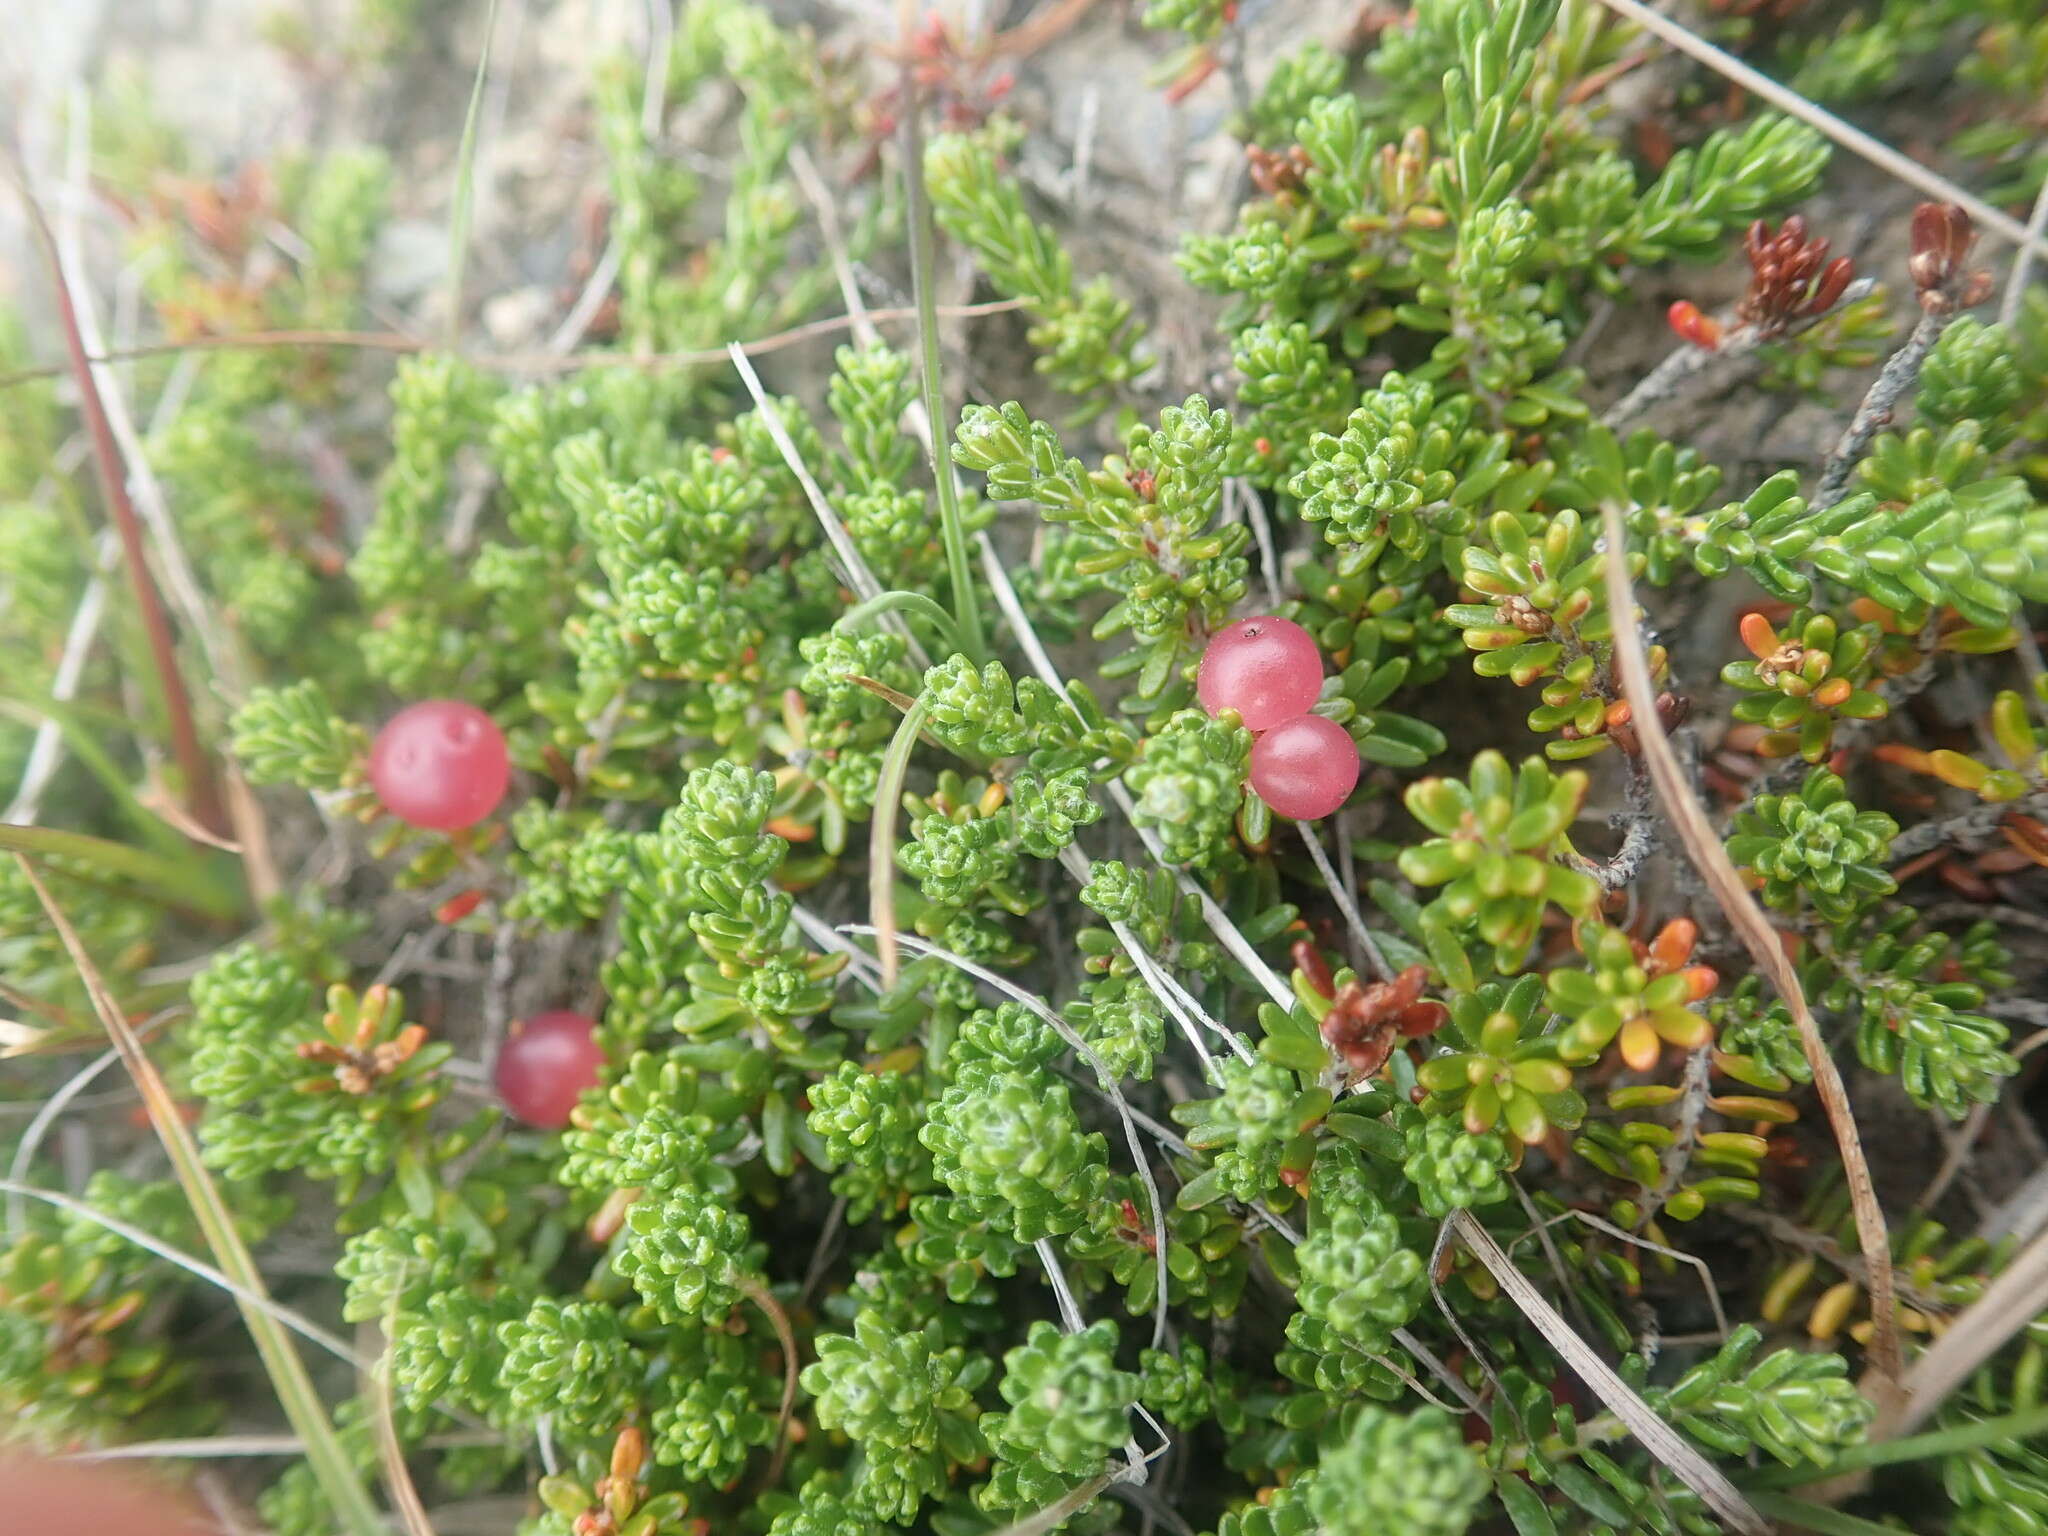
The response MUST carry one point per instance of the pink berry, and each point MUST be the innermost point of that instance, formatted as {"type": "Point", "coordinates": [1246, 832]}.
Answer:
{"type": "Point", "coordinates": [1305, 767]}
{"type": "Point", "coordinates": [545, 1064]}
{"type": "Point", "coordinates": [1266, 669]}
{"type": "Point", "coordinates": [440, 763]}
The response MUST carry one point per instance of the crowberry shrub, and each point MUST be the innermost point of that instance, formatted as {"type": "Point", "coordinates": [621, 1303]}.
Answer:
{"type": "Point", "coordinates": [1009, 1096]}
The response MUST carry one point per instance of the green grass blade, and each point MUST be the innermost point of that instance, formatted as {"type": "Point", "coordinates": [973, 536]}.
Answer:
{"type": "Point", "coordinates": [1940, 1442]}
{"type": "Point", "coordinates": [70, 723]}
{"type": "Point", "coordinates": [465, 180]}
{"type": "Point", "coordinates": [332, 1466]}
{"type": "Point", "coordinates": [1799, 1515]}
{"type": "Point", "coordinates": [183, 883]}
{"type": "Point", "coordinates": [923, 265]}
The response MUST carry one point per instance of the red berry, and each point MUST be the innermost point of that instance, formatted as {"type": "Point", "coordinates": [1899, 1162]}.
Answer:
{"type": "Point", "coordinates": [440, 763]}
{"type": "Point", "coordinates": [1266, 669]}
{"type": "Point", "coordinates": [1305, 767]}
{"type": "Point", "coordinates": [546, 1063]}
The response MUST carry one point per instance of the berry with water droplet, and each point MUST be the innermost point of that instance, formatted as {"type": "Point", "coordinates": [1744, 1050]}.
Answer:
{"type": "Point", "coordinates": [1305, 767]}
{"type": "Point", "coordinates": [440, 764]}
{"type": "Point", "coordinates": [1267, 669]}
{"type": "Point", "coordinates": [544, 1066]}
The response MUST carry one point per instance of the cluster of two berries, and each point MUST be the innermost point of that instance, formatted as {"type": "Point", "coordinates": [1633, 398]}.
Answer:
{"type": "Point", "coordinates": [1268, 669]}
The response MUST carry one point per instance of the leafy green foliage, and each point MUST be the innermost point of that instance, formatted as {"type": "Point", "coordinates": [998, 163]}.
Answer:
{"type": "Point", "coordinates": [1410, 1473]}
{"type": "Point", "coordinates": [1816, 848]}
{"type": "Point", "coordinates": [1497, 837]}
{"type": "Point", "coordinates": [1119, 1179]}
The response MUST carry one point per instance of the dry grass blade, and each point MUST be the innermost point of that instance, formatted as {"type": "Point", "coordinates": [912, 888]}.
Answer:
{"type": "Point", "coordinates": [1657, 1437]}
{"type": "Point", "coordinates": [38, 1127]}
{"type": "Point", "coordinates": [193, 762]}
{"type": "Point", "coordinates": [1689, 818]}
{"type": "Point", "coordinates": [2008, 1304]}
{"type": "Point", "coordinates": [330, 1462]}
{"type": "Point", "coordinates": [215, 1447]}
{"type": "Point", "coordinates": [1054, 1515]}
{"type": "Point", "coordinates": [2023, 267]}
{"type": "Point", "coordinates": [252, 836]}
{"type": "Point", "coordinates": [1855, 140]}
{"type": "Point", "coordinates": [405, 1497]}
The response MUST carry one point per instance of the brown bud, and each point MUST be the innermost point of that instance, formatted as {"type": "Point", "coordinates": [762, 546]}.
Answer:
{"type": "Point", "coordinates": [1942, 237]}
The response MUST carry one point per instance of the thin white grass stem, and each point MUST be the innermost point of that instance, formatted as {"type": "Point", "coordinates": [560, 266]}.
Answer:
{"type": "Point", "coordinates": [1855, 140]}
{"type": "Point", "coordinates": [1190, 1002]}
{"type": "Point", "coordinates": [1262, 530]}
{"type": "Point", "coordinates": [216, 1447]}
{"type": "Point", "coordinates": [1217, 920]}
{"type": "Point", "coordinates": [1215, 917]}
{"type": "Point", "coordinates": [1443, 1373]}
{"type": "Point", "coordinates": [46, 751]}
{"type": "Point", "coordinates": [851, 563]}
{"type": "Point", "coordinates": [544, 1435]}
{"type": "Point", "coordinates": [1105, 1079]}
{"type": "Point", "coordinates": [227, 1447]}
{"type": "Point", "coordinates": [1170, 992]}
{"type": "Point", "coordinates": [661, 31]}
{"type": "Point", "coordinates": [1637, 1240]}
{"type": "Point", "coordinates": [825, 936]}
{"type": "Point", "coordinates": [2023, 264]}
{"type": "Point", "coordinates": [1179, 1003]}
{"type": "Point", "coordinates": [819, 196]}
{"type": "Point", "coordinates": [1656, 1436]}
{"type": "Point", "coordinates": [1072, 1321]}
{"type": "Point", "coordinates": [306, 1329]}
{"type": "Point", "coordinates": [576, 324]}
{"type": "Point", "coordinates": [32, 1135]}
{"type": "Point", "coordinates": [1354, 920]}
{"type": "Point", "coordinates": [1070, 1310]}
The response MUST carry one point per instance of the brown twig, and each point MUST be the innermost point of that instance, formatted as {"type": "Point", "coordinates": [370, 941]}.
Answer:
{"type": "Point", "coordinates": [1855, 140]}
{"type": "Point", "coordinates": [201, 787]}
{"type": "Point", "coordinates": [1035, 31]}
{"type": "Point", "coordinates": [2008, 1304]}
{"type": "Point", "coordinates": [1687, 816]}
{"type": "Point", "coordinates": [1892, 381]}
{"type": "Point", "coordinates": [509, 362]}
{"type": "Point", "coordinates": [785, 1337]}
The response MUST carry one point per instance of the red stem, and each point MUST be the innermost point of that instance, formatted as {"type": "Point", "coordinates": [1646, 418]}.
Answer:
{"type": "Point", "coordinates": [201, 790]}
